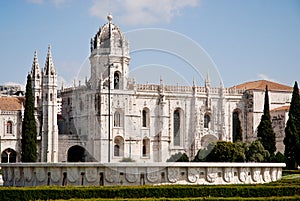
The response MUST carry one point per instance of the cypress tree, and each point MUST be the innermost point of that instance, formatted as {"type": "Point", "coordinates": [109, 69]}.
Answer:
{"type": "Point", "coordinates": [29, 131]}
{"type": "Point", "coordinates": [264, 130]}
{"type": "Point", "coordinates": [295, 107]}
{"type": "Point", "coordinates": [291, 142]}
{"type": "Point", "coordinates": [294, 114]}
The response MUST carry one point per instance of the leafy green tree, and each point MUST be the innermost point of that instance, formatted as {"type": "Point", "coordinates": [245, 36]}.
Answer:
{"type": "Point", "coordinates": [291, 142]}
{"type": "Point", "coordinates": [264, 130]}
{"type": "Point", "coordinates": [256, 152]}
{"type": "Point", "coordinates": [29, 131]}
{"type": "Point", "coordinates": [294, 113]}
{"type": "Point", "coordinates": [222, 152]}
{"type": "Point", "coordinates": [178, 157]}
{"type": "Point", "coordinates": [239, 154]}
{"type": "Point", "coordinates": [279, 158]}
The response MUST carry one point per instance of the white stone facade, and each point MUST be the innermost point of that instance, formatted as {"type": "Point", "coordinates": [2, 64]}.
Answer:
{"type": "Point", "coordinates": [111, 117]}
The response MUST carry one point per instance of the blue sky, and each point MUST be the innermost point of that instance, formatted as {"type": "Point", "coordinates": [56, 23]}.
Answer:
{"type": "Point", "coordinates": [247, 40]}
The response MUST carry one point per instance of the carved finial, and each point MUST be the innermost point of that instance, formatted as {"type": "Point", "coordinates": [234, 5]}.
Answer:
{"type": "Point", "coordinates": [207, 81]}
{"type": "Point", "coordinates": [109, 17]}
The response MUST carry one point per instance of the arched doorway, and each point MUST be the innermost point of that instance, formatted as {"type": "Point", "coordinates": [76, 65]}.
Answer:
{"type": "Point", "coordinates": [77, 154]}
{"type": "Point", "coordinates": [9, 156]}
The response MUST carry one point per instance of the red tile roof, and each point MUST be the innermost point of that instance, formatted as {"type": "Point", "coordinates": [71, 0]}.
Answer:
{"type": "Point", "coordinates": [282, 108]}
{"type": "Point", "coordinates": [11, 103]}
{"type": "Point", "coordinates": [261, 85]}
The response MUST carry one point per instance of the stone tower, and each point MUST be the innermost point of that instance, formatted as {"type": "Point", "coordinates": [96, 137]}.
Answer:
{"type": "Point", "coordinates": [49, 145]}
{"type": "Point", "coordinates": [109, 57]}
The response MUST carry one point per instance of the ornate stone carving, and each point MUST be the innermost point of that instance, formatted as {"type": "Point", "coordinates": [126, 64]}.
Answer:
{"type": "Point", "coordinates": [228, 175]}
{"type": "Point", "coordinates": [5, 174]}
{"type": "Point", "coordinates": [131, 174]}
{"type": "Point", "coordinates": [91, 174]}
{"type": "Point", "coordinates": [152, 174]}
{"type": "Point", "coordinates": [173, 174]}
{"type": "Point", "coordinates": [9, 174]}
{"type": "Point", "coordinates": [266, 175]}
{"type": "Point", "coordinates": [55, 174]}
{"type": "Point", "coordinates": [274, 174]}
{"type": "Point", "coordinates": [193, 174]}
{"type": "Point", "coordinates": [40, 174]}
{"type": "Point", "coordinates": [211, 174]}
{"type": "Point", "coordinates": [255, 174]}
{"type": "Point", "coordinates": [17, 174]}
{"type": "Point", "coordinates": [243, 174]}
{"type": "Point", "coordinates": [72, 174]}
{"type": "Point", "coordinates": [279, 173]}
{"type": "Point", "coordinates": [111, 175]}
{"type": "Point", "coordinates": [27, 174]}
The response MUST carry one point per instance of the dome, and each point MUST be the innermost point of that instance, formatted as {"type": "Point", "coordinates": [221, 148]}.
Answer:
{"type": "Point", "coordinates": [101, 38]}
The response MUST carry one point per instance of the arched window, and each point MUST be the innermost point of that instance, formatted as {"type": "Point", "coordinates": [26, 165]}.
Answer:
{"type": "Point", "coordinates": [176, 127]}
{"type": "Point", "coordinates": [206, 121]}
{"type": "Point", "coordinates": [146, 147]}
{"type": "Point", "coordinates": [117, 150]}
{"type": "Point", "coordinates": [145, 118]}
{"type": "Point", "coordinates": [9, 156]}
{"type": "Point", "coordinates": [118, 146]}
{"type": "Point", "coordinates": [236, 127]}
{"type": "Point", "coordinates": [116, 80]}
{"type": "Point", "coordinates": [9, 127]}
{"type": "Point", "coordinates": [117, 119]}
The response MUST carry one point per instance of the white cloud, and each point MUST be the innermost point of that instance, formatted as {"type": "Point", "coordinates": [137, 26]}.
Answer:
{"type": "Point", "coordinates": [55, 2]}
{"type": "Point", "coordinates": [36, 1]}
{"type": "Point", "coordinates": [266, 77]}
{"type": "Point", "coordinates": [135, 12]}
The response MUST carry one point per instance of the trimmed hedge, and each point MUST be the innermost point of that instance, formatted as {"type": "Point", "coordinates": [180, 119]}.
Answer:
{"type": "Point", "coordinates": [54, 193]}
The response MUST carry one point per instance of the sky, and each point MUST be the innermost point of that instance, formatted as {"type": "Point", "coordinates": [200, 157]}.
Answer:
{"type": "Point", "coordinates": [242, 40]}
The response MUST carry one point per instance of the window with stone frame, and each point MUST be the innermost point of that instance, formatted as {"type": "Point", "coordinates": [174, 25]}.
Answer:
{"type": "Point", "coordinates": [145, 118]}
{"type": "Point", "coordinates": [9, 126]}
{"type": "Point", "coordinates": [116, 80]}
{"type": "Point", "coordinates": [176, 127]}
{"type": "Point", "coordinates": [118, 146]}
{"type": "Point", "coordinates": [117, 119]}
{"type": "Point", "coordinates": [146, 147]}
{"type": "Point", "coordinates": [206, 121]}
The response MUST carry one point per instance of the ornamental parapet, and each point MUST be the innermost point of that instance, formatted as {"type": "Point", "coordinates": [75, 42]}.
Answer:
{"type": "Point", "coordinates": [109, 174]}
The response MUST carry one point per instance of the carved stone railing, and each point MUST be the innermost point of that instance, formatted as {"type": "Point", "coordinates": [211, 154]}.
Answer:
{"type": "Point", "coordinates": [76, 174]}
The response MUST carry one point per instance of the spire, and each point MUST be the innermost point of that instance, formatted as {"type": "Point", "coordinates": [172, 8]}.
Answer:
{"type": "Point", "coordinates": [207, 81]}
{"type": "Point", "coordinates": [35, 70]}
{"type": "Point", "coordinates": [49, 67]}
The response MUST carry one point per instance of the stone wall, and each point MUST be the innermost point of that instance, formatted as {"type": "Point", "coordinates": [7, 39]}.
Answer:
{"type": "Point", "coordinates": [91, 174]}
